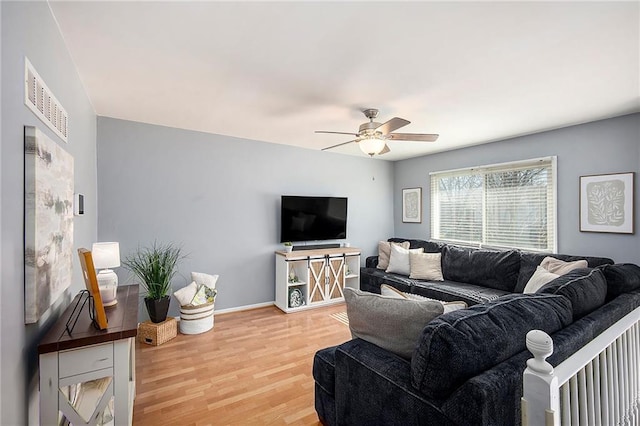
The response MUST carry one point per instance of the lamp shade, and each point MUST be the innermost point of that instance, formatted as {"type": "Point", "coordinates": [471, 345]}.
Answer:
{"type": "Point", "coordinates": [372, 145]}
{"type": "Point", "coordinates": [106, 255]}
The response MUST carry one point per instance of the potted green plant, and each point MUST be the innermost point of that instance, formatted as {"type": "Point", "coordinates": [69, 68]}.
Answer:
{"type": "Point", "coordinates": [288, 246]}
{"type": "Point", "coordinates": [155, 266]}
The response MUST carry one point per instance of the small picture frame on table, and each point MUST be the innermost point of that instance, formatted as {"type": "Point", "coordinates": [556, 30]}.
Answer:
{"type": "Point", "coordinates": [607, 203]}
{"type": "Point", "coordinates": [91, 283]}
{"type": "Point", "coordinates": [412, 205]}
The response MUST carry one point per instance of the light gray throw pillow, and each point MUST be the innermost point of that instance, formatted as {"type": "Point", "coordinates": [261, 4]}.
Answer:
{"type": "Point", "coordinates": [384, 252]}
{"type": "Point", "coordinates": [394, 324]}
{"type": "Point", "coordinates": [399, 262]}
{"type": "Point", "coordinates": [560, 267]}
{"type": "Point", "coordinates": [539, 278]}
{"type": "Point", "coordinates": [426, 266]}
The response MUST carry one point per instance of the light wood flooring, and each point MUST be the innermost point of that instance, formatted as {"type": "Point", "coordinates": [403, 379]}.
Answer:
{"type": "Point", "coordinates": [252, 368]}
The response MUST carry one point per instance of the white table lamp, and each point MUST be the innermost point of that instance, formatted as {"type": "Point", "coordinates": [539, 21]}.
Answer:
{"type": "Point", "coordinates": [105, 256]}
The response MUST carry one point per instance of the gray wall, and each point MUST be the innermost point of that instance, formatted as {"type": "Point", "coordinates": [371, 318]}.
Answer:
{"type": "Point", "coordinates": [607, 146]}
{"type": "Point", "coordinates": [219, 197]}
{"type": "Point", "coordinates": [28, 29]}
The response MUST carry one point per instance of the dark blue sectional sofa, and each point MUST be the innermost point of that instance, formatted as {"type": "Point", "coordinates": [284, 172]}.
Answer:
{"type": "Point", "coordinates": [467, 366]}
{"type": "Point", "coordinates": [471, 275]}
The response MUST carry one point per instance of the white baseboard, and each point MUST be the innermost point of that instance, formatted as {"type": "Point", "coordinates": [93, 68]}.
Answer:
{"type": "Point", "coordinates": [243, 308]}
{"type": "Point", "coordinates": [239, 308]}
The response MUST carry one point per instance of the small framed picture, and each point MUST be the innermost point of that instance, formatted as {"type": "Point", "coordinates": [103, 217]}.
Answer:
{"type": "Point", "coordinates": [412, 205]}
{"type": "Point", "coordinates": [606, 203]}
{"type": "Point", "coordinates": [99, 315]}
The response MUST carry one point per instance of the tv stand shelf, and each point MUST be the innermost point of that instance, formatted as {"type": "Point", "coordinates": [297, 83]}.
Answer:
{"type": "Point", "coordinates": [308, 279]}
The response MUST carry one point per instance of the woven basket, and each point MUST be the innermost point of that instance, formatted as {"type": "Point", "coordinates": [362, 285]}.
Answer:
{"type": "Point", "coordinates": [157, 334]}
{"type": "Point", "coordinates": [196, 319]}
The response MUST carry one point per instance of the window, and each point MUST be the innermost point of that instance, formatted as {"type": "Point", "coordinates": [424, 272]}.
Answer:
{"type": "Point", "coordinates": [503, 205]}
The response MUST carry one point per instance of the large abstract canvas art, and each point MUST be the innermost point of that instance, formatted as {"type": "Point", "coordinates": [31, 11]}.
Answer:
{"type": "Point", "coordinates": [48, 209]}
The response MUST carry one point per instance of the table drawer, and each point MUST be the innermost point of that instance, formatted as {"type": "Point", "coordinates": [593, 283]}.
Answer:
{"type": "Point", "coordinates": [90, 358]}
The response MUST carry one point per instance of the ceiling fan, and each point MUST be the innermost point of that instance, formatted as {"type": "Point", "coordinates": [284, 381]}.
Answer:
{"type": "Point", "coordinates": [372, 137]}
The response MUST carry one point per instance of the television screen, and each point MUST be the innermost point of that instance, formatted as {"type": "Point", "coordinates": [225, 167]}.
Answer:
{"type": "Point", "coordinates": [313, 218]}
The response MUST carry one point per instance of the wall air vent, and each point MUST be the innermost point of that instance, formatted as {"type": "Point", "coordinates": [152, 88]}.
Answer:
{"type": "Point", "coordinates": [44, 105]}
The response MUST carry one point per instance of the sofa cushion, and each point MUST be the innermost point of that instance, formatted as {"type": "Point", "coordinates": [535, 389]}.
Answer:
{"type": "Point", "coordinates": [452, 290]}
{"type": "Point", "coordinates": [393, 324]}
{"type": "Point", "coordinates": [530, 261]}
{"type": "Point", "coordinates": [389, 291]}
{"type": "Point", "coordinates": [585, 288]}
{"type": "Point", "coordinates": [462, 344]}
{"type": "Point", "coordinates": [495, 269]}
{"type": "Point", "coordinates": [371, 262]}
{"type": "Point", "coordinates": [384, 252]}
{"type": "Point", "coordinates": [426, 266]}
{"type": "Point", "coordinates": [539, 279]}
{"type": "Point", "coordinates": [372, 278]}
{"type": "Point", "coordinates": [427, 246]}
{"type": "Point", "coordinates": [621, 278]}
{"type": "Point", "coordinates": [373, 387]}
{"type": "Point", "coordinates": [399, 261]}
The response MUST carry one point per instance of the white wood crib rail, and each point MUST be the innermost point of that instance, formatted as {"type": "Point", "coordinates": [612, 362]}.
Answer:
{"type": "Point", "coordinates": [597, 385]}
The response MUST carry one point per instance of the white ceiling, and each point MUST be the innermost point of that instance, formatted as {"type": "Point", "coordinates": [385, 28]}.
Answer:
{"type": "Point", "coordinates": [474, 72]}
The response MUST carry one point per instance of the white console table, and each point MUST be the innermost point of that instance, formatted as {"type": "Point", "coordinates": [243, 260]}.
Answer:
{"type": "Point", "coordinates": [82, 372]}
{"type": "Point", "coordinates": [312, 278]}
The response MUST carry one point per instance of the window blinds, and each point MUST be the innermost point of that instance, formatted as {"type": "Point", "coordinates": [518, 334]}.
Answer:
{"type": "Point", "coordinates": [503, 205]}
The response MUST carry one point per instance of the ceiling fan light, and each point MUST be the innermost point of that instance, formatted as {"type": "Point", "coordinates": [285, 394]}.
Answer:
{"type": "Point", "coordinates": [372, 145]}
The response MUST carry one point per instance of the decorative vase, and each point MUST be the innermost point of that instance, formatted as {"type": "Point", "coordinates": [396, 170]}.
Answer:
{"type": "Point", "coordinates": [157, 308]}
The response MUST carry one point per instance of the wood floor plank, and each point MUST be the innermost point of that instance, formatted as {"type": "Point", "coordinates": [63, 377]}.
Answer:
{"type": "Point", "coordinates": [253, 368]}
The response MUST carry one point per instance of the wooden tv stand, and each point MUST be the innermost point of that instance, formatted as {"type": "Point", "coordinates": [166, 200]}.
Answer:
{"type": "Point", "coordinates": [312, 278]}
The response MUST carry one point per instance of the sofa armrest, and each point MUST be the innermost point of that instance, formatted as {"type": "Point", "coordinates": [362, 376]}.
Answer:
{"type": "Point", "coordinates": [371, 262]}
{"type": "Point", "coordinates": [373, 386]}
{"type": "Point", "coordinates": [492, 397]}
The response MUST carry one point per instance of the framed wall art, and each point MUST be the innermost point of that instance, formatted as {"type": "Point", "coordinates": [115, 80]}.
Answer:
{"type": "Point", "coordinates": [607, 203]}
{"type": "Point", "coordinates": [48, 222]}
{"type": "Point", "coordinates": [412, 205]}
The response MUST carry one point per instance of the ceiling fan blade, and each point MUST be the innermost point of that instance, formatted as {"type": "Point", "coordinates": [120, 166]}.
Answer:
{"type": "Point", "coordinates": [340, 144]}
{"type": "Point", "coordinates": [384, 150]}
{"type": "Point", "coordinates": [336, 133]}
{"type": "Point", "coordinates": [412, 137]}
{"type": "Point", "coordinates": [391, 125]}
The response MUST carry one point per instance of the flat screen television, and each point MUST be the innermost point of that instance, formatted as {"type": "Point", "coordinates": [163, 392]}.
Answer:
{"type": "Point", "coordinates": [312, 218]}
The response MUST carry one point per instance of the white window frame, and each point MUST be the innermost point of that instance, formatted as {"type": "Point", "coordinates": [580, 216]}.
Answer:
{"type": "Point", "coordinates": [552, 225]}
